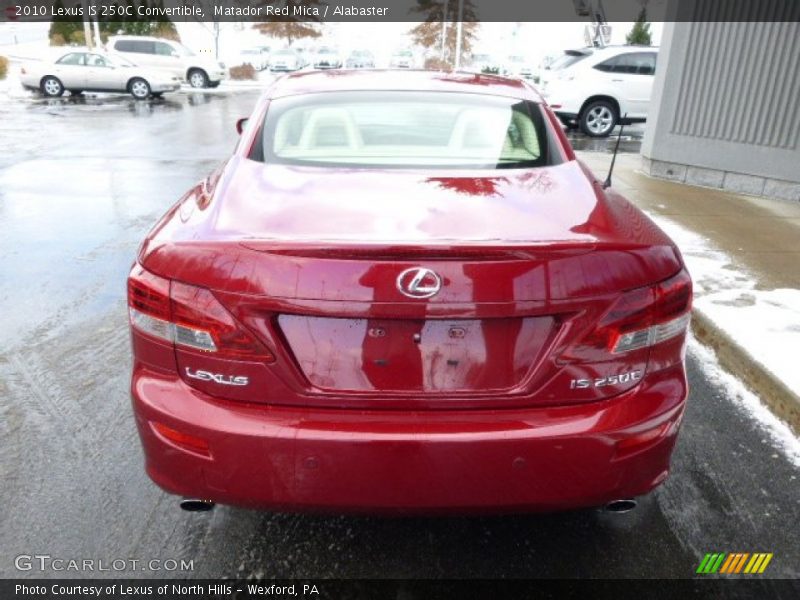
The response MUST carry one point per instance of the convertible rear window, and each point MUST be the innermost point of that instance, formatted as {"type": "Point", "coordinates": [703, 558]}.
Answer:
{"type": "Point", "coordinates": [402, 129]}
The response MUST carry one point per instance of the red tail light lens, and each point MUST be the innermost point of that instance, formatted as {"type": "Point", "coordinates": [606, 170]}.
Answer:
{"type": "Point", "coordinates": [673, 297]}
{"type": "Point", "coordinates": [640, 318]}
{"type": "Point", "coordinates": [202, 322]}
{"type": "Point", "coordinates": [189, 316]}
{"type": "Point", "coordinates": [148, 293]}
{"type": "Point", "coordinates": [148, 304]}
{"type": "Point", "coordinates": [625, 317]}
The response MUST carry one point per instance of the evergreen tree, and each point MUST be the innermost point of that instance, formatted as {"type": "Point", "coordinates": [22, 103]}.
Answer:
{"type": "Point", "coordinates": [640, 34]}
{"type": "Point", "coordinates": [62, 29]}
{"type": "Point", "coordinates": [160, 27]}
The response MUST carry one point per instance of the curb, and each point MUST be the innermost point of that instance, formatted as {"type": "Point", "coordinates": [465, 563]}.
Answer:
{"type": "Point", "coordinates": [781, 400]}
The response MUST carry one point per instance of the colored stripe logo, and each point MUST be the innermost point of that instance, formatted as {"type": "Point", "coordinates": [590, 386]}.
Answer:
{"type": "Point", "coordinates": [734, 563]}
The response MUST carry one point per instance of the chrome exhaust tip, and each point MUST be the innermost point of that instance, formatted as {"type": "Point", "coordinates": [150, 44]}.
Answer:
{"type": "Point", "coordinates": [620, 506]}
{"type": "Point", "coordinates": [195, 505]}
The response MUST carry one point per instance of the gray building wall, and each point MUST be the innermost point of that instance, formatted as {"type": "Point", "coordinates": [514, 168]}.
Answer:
{"type": "Point", "coordinates": [726, 107]}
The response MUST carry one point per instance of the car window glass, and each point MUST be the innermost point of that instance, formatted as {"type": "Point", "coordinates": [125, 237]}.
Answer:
{"type": "Point", "coordinates": [75, 58]}
{"type": "Point", "coordinates": [646, 63]}
{"type": "Point", "coordinates": [163, 49]}
{"type": "Point", "coordinates": [405, 130]}
{"type": "Point", "coordinates": [142, 47]}
{"type": "Point", "coordinates": [608, 65]}
{"type": "Point", "coordinates": [95, 60]}
{"type": "Point", "coordinates": [633, 63]}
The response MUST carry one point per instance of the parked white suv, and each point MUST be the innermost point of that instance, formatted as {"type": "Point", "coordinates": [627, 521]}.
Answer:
{"type": "Point", "coordinates": [602, 88]}
{"type": "Point", "coordinates": [171, 56]}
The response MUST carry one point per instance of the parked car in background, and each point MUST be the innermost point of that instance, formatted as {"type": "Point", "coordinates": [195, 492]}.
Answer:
{"type": "Point", "coordinates": [170, 56]}
{"type": "Point", "coordinates": [517, 66]}
{"type": "Point", "coordinates": [402, 59]}
{"type": "Point", "coordinates": [406, 294]}
{"type": "Point", "coordinates": [286, 59]}
{"type": "Point", "coordinates": [360, 59]}
{"type": "Point", "coordinates": [542, 66]}
{"type": "Point", "coordinates": [257, 57]}
{"type": "Point", "coordinates": [79, 70]}
{"type": "Point", "coordinates": [327, 58]}
{"type": "Point", "coordinates": [562, 61]}
{"type": "Point", "coordinates": [485, 63]}
{"type": "Point", "coordinates": [598, 91]}
{"type": "Point", "coordinates": [305, 53]}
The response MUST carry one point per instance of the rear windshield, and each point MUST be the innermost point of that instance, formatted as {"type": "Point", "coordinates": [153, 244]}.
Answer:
{"type": "Point", "coordinates": [406, 130]}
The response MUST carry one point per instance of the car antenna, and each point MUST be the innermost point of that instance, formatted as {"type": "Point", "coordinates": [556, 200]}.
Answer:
{"type": "Point", "coordinates": [607, 182]}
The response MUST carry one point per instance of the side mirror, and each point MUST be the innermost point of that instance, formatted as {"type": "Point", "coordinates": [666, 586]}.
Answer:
{"type": "Point", "coordinates": [174, 54]}
{"type": "Point", "coordinates": [240, 125]}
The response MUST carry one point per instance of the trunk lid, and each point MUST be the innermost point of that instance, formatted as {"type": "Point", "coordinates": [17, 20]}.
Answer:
{"type": "Point", "coordinates": [310, 261]}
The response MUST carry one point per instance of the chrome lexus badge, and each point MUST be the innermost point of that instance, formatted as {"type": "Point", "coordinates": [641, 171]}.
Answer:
{"type": "Point", "coordinates": [419, 282]}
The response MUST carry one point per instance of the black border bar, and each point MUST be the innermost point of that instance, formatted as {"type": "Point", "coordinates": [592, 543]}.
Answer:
{"type": "Point", "coordinates": [706, 587]}
{"type": "Point", "coordinates": [376, 11]}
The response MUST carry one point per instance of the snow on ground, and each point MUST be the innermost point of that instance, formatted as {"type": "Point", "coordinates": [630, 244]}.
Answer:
{"type": "Point", "coordinates": [765, 322]}
{"type": "Point", "coordinates": [778, 431]}
{"type": "Point", "coordinates": [11, 88]}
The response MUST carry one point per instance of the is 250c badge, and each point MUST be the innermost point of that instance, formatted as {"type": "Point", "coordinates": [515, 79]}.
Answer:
{"type": "Point", "coordinates": [630, 376]}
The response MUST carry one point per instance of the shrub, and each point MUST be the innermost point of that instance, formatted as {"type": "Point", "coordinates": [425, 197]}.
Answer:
{"type": "Point", "coordinates": [243, 71]}
{"type": "Point", "coordinates": [165, 30]}
{"type": "Point", "coordinates": [3, 67]}
{"type": "Point", "coordinates": [57, 40]}
{"type": "Point", "coordinates": [490, 70]}
{"type": "Point", "coordinates": [77, 38]}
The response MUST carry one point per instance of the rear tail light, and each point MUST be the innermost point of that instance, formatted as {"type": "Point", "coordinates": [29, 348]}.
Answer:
{"type": "Point", "coordinates": [638, 319]}
{"type": "Point", "coordinates": [189, 316]}
{"type": "Point", "coordinates": [670, 315]}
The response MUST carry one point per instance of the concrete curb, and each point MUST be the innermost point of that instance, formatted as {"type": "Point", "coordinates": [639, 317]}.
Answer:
{"type": "Point", "coordinates": [781, 400]}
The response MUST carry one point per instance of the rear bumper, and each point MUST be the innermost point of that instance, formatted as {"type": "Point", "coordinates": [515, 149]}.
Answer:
{"type": "Point", "coordinates": [343, 460]}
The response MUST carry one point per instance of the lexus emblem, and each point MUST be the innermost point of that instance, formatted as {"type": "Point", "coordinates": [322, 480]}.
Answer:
{"type": "Point", "coordinates": [419, 282]}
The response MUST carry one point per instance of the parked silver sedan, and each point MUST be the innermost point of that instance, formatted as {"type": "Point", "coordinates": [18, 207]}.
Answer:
{"type": "Point", "coordinates": [82, 70]}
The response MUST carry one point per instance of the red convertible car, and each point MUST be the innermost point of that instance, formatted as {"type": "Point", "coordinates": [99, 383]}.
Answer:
{"type": "Point", "coordinates": [403, 293]}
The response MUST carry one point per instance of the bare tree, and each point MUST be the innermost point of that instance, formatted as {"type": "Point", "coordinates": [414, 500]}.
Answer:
{"type": "Point", "coordinates": [439, 30]}
{"type": "Point", "coordinates": [291, 27]}
{"type": "Point", "coordinates": [214, 27]}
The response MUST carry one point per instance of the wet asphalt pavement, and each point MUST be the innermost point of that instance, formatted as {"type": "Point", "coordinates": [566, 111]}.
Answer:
{"type": "Point", "coordinates": [81, 181]}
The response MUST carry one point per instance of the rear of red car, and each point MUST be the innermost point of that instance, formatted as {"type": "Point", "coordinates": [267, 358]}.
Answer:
{"type": "Point", "coordinates": [323, 324]}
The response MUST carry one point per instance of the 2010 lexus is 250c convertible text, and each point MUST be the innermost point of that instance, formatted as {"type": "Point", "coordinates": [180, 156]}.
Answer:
{"type": "Point", "coordinates": [403, 293]}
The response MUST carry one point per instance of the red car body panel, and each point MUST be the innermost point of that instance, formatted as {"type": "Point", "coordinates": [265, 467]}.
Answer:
{"type": "Point", "coordinates": [365, 399]}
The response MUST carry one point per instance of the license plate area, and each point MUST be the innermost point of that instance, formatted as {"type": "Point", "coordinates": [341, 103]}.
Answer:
{"type": "Point", "coordinates": [407, 355]}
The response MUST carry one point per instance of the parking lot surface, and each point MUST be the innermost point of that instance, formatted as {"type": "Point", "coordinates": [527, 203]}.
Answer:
{"type": "Point", "coordinates": [81, 181]}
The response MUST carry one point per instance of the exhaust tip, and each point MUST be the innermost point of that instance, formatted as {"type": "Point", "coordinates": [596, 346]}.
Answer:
{"type": "Point", "coordinates": [195, 505]}
{"type": "Point", "coordinates": [620, 506]}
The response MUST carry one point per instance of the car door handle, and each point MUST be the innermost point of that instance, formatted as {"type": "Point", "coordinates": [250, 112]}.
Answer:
{"type": "Point", "coordinates": [616, 80]}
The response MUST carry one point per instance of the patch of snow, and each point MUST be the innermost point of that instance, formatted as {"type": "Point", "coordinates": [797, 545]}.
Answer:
{"type": "Point", "coordinates": [776, 430]}
{"type": "Point", "coordinates": [11, 88]}
{"type": "Point", "coordinates": [764, 322]}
